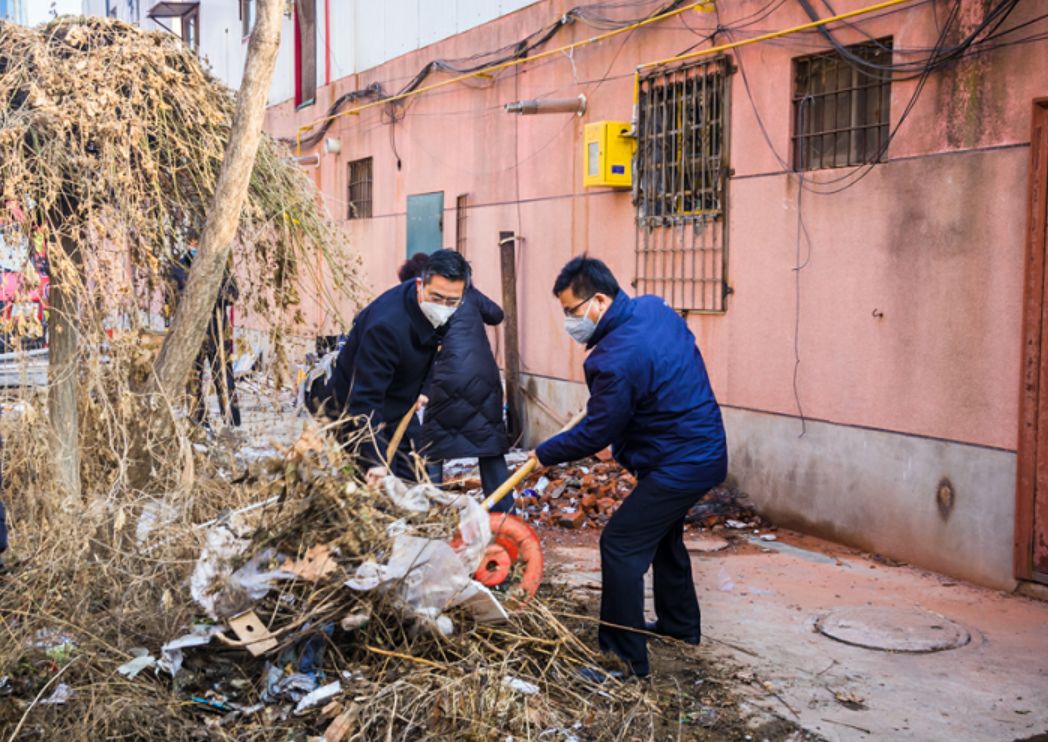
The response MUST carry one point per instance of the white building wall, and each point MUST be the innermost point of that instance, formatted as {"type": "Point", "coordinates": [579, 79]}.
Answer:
{"type": "Point", "coordinates": [363, 33]}
{"type": "Point", "coordinates": [13, 11]}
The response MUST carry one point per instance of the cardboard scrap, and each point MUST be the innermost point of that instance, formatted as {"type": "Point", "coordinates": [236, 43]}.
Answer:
{"type": "Point", "coordinates": [250, 630]}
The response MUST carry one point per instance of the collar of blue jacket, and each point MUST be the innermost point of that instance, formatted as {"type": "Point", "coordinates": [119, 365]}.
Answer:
{"type": "Point", "coordinates": [621, 309]}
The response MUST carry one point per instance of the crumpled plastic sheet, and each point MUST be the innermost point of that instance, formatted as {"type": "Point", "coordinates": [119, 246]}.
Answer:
{"type": "Point", "coordinates": [474, 522]}
{"type": "Point", "coordinates": [142, 661]}
{"type": "Point", "coordinates": [171, 656]}
{"type": "Point", "coordinates": [293, 685]}
{"type": "Point", "coordinates": [319, 696]}
{"type": "Point", "coordinates": [521, 686]}
{"type": "Point", "coordinates": [61, 694]}
{"type": "Point", "coordinates": [241, 588]}
{"type": "Point", "coordinates": [155, 514]}
{"type": "Point", "coordinates": [324, 368]}
{"type": "Point", "coordinates": [429, 575]}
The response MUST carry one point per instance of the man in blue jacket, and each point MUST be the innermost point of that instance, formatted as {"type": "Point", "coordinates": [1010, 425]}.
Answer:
{"type": "Point", "coordinates": [651, 401]}
{"type": "Point", "coordinates": [380, 371]}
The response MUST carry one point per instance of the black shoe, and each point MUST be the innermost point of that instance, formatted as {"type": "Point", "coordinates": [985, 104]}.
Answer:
{"type": "Point", "coordinates": [654, 628]}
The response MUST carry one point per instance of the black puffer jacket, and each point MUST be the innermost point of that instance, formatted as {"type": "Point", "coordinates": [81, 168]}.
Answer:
{"type": "Point", "coordinates": [464, 415]}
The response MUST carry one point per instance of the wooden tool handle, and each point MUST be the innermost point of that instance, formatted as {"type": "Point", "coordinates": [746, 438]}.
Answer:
{"type": "Point", "coordinates": [520, 474]}
{"type": "Point", "coordinates": [398, 435]}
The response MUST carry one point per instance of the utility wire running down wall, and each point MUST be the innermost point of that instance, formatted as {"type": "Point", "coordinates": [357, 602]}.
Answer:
{"type": "Point", "coordinates": [487, 63]}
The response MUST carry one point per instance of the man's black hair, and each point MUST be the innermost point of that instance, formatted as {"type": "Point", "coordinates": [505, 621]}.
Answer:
{"type": "Point", "coordinates": [448, 264]}
{"type": "Point", "coordinates": [585, 277]}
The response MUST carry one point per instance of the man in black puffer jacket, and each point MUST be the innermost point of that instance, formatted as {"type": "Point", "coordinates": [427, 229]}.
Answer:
{"type": "Point", "coordinates": [463, 417]}
{"type": "Point", "coordinates": [379, 373]}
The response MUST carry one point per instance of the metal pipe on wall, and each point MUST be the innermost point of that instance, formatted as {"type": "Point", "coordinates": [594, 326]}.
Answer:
{"type": "Point", "coordinates": [548, 105]}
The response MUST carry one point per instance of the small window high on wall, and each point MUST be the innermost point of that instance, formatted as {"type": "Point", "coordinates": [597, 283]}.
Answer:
{"type": "Point", "coordinates": [840, 106]}
{"type": "Point", "coordinates": [305, 52]}
{"type": "Point", "coordinates": [358, 189]}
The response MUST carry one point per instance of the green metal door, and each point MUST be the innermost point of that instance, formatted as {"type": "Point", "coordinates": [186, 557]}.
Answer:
{"type": "Point", "coordinates": [425, 222]}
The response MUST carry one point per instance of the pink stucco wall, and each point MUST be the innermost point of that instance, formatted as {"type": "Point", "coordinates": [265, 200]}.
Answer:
{"type": "Point", "coordinates": [932, 239]}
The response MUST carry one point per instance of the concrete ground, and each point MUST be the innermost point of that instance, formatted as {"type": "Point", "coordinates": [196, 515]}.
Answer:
{"type": "Point", "coordinates": [760, 603]}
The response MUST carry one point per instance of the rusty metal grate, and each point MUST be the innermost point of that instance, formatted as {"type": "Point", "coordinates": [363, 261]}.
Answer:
{"type": "Point", "coordinates": [840, 111]}
{"type": "Point", "coordinates": [358, 189]}
{"type": "Point", "coordinates": [681, 173]}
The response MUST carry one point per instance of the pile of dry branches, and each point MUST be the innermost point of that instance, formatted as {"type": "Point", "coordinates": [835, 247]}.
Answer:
{"type": "Point", "coordinates": [111, 142]}
{"type": "Point", "coordinates": [78, 602]}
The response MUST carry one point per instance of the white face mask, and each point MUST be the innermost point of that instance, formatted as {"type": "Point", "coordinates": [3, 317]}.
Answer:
{"type": "Point", "coordinates": [437, 314]}
{"type": "Point", "coordinates": [581, 328]}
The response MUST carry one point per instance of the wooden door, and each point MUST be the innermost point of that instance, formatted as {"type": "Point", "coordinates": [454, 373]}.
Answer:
{"type": "Point", "coordinates": [1031, 533]}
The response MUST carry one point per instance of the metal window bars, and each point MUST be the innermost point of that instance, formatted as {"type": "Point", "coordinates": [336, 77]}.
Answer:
{"type": "Point", "coordinates": [840, 110]}
{"type": "Point", "coordinates": [680, 191]}
{"type": "Point", "coordinates": [358, 189]}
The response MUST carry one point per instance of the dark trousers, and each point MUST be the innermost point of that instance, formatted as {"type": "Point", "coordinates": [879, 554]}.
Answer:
{"type": "Point", "coordinates": [647, 530]}
{"type": "Point", "coordinates": [493, 472]}
{"type": "Point", "coordinates": [221, 364]}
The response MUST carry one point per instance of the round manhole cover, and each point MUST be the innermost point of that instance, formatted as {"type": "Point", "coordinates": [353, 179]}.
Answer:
{"type": "Point", "coordinates": [893, 629]}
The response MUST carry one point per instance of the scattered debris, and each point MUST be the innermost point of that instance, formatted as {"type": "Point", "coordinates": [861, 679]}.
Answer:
{"type": "Point", "coordinates": [849, 699]}
{"type": "Point", "coordinates": [61, 694]}
{"type": "Point", "coordinates": [886, 561]}
{"type": "Point", "coordinates": [521, 686]}
{"type": "Point", "coordinates": [252, 634]}
{"type": "Point", "coordinates": [318, 696]}
{"type": "Point", "coordinates": [588, 493]}
{"type": "Point", "coordinates": [727, 506]}
{"type": "Point", "coordinates": [355, 591]}
{"type": "Point", "coordinates": [705, 543]}
{"type": "Point", "coordinates": [171, 656]}
{"type": "Point", "coordinates": [142, 661]}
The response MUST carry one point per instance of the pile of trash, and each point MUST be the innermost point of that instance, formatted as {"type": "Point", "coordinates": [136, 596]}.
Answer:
{"type": "Point", "coordinates": [309, 605]}
{"type": "Point", "coordinates": [577, 495]}
{"type": "Point", "coordinates": [586, 494]}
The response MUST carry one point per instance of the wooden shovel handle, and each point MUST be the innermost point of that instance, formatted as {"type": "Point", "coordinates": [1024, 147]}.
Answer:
{"type": "Point", "coordinates": [519, 475]}
{"type": "Point", "coordinates": [398, 434]}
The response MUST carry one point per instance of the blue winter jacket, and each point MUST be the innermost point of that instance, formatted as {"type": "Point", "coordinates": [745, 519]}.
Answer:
{"type": "Point", "coordinates": [650, 399]}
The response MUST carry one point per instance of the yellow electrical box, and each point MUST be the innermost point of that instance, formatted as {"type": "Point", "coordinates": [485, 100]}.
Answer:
{"type": "Point", "coordinates": [608, 154]}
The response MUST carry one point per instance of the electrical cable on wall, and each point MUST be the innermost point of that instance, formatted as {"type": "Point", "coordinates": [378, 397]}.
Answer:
{"type": "Point", "coordinates": [483, 60]}
{"type": "Point", "coordinates": [941, 55]}
{"type": "Point", "coordinates": [798, 266]}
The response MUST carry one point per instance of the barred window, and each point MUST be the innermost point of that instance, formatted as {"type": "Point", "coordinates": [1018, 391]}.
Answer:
{"type": "Point", "coordinates": [358, 190]}
{"type": "Point", "coordinates": [840, 109]}
{"type": "Point", "coordinates": [680, 175]}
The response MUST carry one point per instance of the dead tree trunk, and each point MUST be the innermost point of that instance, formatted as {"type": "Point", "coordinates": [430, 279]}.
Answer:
{"type": "Point", "coordinates": [189, 324]}
{"type": "Point", "coordinates": [63, 371]}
